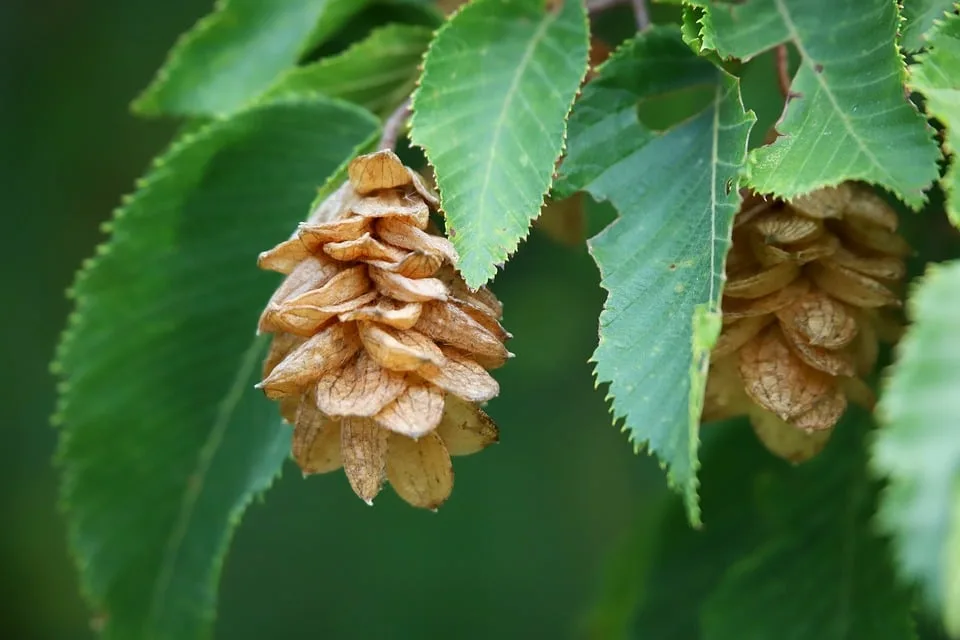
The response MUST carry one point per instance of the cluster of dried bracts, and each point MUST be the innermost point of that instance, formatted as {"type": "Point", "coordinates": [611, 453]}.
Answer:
{"type": "Point", "coordinates": [380, 351]}
{"type": "Point", "coordinates": [807, 282]}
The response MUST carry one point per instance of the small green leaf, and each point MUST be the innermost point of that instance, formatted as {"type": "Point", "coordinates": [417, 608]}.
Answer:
{"type": "Point", "coordinates": [918, 449]}
{"type": "Point", "coordinates": [918, 19]}
{"type": "Point", "coordinates": [236, 52]}
{"type": "Point", "coordinates": [937, 76]}
{"type": "Point", "coordinates": [849, 118]}
{"type": "Point", "coordinates": [676, 192]}
{"type": "Point", "coordinates": [164, 439]}
{"type": "Point", "coordinates": [818, 570]}
{"type": "Point", "coordinates": [490, 113]}
{"type": "Point", "coordinates": [377, 73]}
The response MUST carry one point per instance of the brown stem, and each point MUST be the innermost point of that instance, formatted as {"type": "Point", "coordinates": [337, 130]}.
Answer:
{"type": "Point", "coordinates": [783, 69]}
{"type": "Point", "coordinates": [639, 9]}
{"type": "Point", "coordinates": [594, 6]}
{"type": "Point", "coordinates": [393, 124]}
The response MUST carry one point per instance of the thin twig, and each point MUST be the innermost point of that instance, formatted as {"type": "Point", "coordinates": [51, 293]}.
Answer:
{"type": "Point", "coordinates": [393, 125]}
{"type": "Point", "coordinates": [641, 14]}
{"type": "Point", "coordinates": [602, 5]}
{"type": "Point", "coordinates": [639, 9]}
{"type": "Point", "coordinates": [783, 69]}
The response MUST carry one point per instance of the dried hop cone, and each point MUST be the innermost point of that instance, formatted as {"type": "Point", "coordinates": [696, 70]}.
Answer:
{"type": "Point", "coordinates": [380, 351]}
{"type": "Point", "coordinates": [807, 282]}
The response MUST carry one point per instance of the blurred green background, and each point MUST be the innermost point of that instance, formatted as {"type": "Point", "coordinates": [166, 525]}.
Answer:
{"type": "Point", "coordinates": [520, 548]}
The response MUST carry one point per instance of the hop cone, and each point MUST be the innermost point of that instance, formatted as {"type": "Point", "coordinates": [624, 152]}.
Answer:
{"type": "Point", "coordinates": [380, 351]}
{"type": "Point", "coordinates": [802, 313]}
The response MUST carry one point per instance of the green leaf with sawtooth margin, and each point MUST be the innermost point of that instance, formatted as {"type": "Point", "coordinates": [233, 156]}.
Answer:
{"type": "Point", "coordinates": [497, 86]}
{"type": "Point", "coordinates": [849, 118]}
{"type": "Point", "coordinates": [918, 19]}
{"type": "Point", "coordinates": [232, 55]}
{"type": "Point", "coordinates": [818, 569]}
{"type": "Point", "coordinates": [936, 75]}
{"type": "Point", "coordinates": [377, 73]}
{"type": "Point", "coordinates": [165, 441]}
{"type": "Point", "coordinates": [662, 261]}
{"type": "Point", "coordinates": [918, 450]}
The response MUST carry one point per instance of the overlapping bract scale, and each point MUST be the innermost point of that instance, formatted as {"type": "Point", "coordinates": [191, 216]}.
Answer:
{"type": "Point", "coordinates": [807, 284]}
{"type": "Point", "coordinates": [380, 351]}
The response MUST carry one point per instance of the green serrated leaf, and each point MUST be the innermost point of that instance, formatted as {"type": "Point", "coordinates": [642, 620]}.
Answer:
{"type": "Point", "coordinates": [690, 27]}
{"type": "Point", "coordinates": [676, 192]}
{"type": "Point", "coordinates": [918, 19]}
{"type": "Point", "coordinates": [377, 73]}
{"type": "Point", "coordinates": [236, 52]}
{"type": "Point", "coordinates": [849, 118]}
{"type": "Point", "coordinates": [818, 570]}
{"type": "Point", "coordinates": [164, 439]}
{"type": "Point", "coordinates": [490, 113]}
{"type": "Point", "coordinates": [937, 76]}
{"type": "Point", "coordinates": [918, 449]}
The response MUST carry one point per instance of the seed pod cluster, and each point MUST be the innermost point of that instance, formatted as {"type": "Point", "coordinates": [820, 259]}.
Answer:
{"type": "Point", "coordinates": [807, 286]}
{"type": "Point", "coordinates": [380, 351]}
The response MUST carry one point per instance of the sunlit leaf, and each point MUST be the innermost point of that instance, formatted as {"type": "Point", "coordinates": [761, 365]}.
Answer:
{"type": "Point", "coordinates": [497, 85]}
{"type": "Point", "coordinates": [848, 118]}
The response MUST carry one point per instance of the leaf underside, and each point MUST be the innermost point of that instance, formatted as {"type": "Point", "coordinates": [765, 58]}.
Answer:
{"type": "Point", "coordinates": [918, 450]}
{"type": "Point", "coordinates": [498, 82]}
{"type": "Point", "coordinates": [937, 76]}
{"type": "Point", "coordinates": [848, 117]}
{"type": "Point", "coordinates": [238, 51]}
{"type": "Point", "coordinates": [662, 260]}
{"type": "Point", "coordinates": [164, 439]}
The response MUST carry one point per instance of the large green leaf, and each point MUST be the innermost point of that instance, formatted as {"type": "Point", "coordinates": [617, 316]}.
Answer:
{"type": "Point", "coordinates": [497, 85]}
{"type": "Point", "coordinates": [849, 118]}
{"type": "Point", "coordinates": [937, 76]}
{"type": "Point", "coordinates": [377, 73]}
{"type": "Point", "coordinates": [919, 447]}
{"type": "Point", "coordinates": [236, 52]}
{"type": "Point", "coordinates": [818, 569]}
{"type": "Point", "coordinates": [662, 260]}
{"type": "Point", "coordinates": [918, 19]}
{"type": "Point", "coordinates": [689, 564]}
{"type": "Point", "coordinates": [164, 439]}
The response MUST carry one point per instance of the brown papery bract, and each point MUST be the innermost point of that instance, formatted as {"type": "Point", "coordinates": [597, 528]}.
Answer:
{"type": "Point", "coordinates": [380, 351]}
{"type": "Point", "coordinates": [806, 279]}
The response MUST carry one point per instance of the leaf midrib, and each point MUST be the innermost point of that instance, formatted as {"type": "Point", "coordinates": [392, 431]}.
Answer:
{"type": "Point", "coordinates": [499, 125]}
{"type": "Point", "coordinates": [195, 484]}
{"type": "Point", "coordinates": [794, 36]}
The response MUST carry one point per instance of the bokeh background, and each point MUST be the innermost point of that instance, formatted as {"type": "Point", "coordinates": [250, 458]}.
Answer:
{"type": "Point", "coordinates": [519, 551]}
